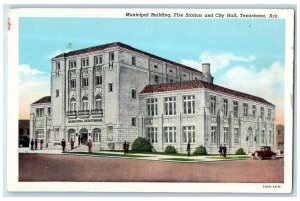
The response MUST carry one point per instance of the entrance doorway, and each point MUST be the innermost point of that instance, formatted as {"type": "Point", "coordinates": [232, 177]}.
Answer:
{"type": "Point", "coordinates": [83, 136]}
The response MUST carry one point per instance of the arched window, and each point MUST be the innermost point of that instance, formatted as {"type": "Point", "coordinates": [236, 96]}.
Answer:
{"type": "Point", "coordinates": [97, 135]}
{"type": "Point", "coordinates": [98, 102]}
{"type": "Point", "coordinates": [73, 104]}
{"type": "Point", "coordinates": [85, 103]}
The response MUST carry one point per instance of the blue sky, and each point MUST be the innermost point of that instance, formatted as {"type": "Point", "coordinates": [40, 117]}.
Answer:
{"type": "Point", "coordinates": [238, 49]}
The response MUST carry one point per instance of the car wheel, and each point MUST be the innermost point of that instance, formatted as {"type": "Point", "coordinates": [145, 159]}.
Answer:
{"type": "Point", "coordinates": [273, 157]}
{"type": "Point", "coordinates": [260, 157]}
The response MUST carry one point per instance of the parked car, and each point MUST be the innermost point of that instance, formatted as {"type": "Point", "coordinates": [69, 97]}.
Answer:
{"type": "Point", "coordinates": [264, 152]}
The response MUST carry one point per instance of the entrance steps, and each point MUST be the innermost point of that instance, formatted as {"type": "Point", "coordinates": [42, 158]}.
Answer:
{"type": "Point", "coordinates": [83, 148]}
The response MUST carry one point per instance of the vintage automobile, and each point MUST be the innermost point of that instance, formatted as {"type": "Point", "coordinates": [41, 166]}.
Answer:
{"type": "Point", "coordinates": [263, 153]}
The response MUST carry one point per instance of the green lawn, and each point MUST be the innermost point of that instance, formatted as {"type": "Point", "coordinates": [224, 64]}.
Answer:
{"type": "Point", "coordinates": [108, 154]}
{"type": "Point", "coordinates": [229, 157]}
{"type": "Point", "coordinates": [178, 159]}
{"type": "Point", "coordinates": [141, 152]}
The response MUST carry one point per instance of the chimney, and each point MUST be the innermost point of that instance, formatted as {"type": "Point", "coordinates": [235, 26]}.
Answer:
{"type": "Point", "coordinates": [206, 68]}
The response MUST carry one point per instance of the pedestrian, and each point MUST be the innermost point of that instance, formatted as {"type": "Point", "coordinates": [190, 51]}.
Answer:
{"type": "Point", "coordinates": [79, 140]}
{"type": "Point", "coordinates": [90, 144]}
{"type": "Point", "coordinates": [41, 144]}
{"type": "Point", "coordinates": [221, 150]}
{"type": "Point", "coordinates": [125, 147]}
{"type": "Point", "coordinates": [31, 144]}
{"type": "Point", "coordinates": [35, 144]}
{"type": "Point", "coordinates": [224, 151]}
{"type": "Point", "coordinates": [188, 148]}
{"type": "Point", "coordinates": [72, 144]}
{"type": "Point", "coordinates": [63, 144]}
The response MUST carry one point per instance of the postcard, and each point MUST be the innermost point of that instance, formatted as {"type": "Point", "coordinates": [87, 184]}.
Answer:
{"type": "Point", "coordinates": [150, 100]}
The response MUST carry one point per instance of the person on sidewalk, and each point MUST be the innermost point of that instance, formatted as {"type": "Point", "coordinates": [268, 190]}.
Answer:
{"type": "Point", "coordinates": [31, 144]}
{"type": "Point", "coordinates": [35, 144]}
{"type": "Point", "coordinates": [188, 148]}
{"type": "Point", "coordinates": [124, 147]}
{"type": "Point", "coordinates": [79, 140]}
{"type": "Point", "coordinates": [41, 144]}
{"type": "Point", "coordinates": [221, 150]}
{"type": "Point", "coordinates": [127, 147]}
{"type": "Point", "coordinates": [63, 144]}
{"type": "Point", "coordinates": [90, 144]}
{"type": "Point", "coordinates": [224, 151]}
{"type": "Point", "coordinates": [72, 144]}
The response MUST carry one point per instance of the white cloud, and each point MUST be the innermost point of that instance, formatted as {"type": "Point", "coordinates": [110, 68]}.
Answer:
{"type": "Point", "coordinates": [217, 61]}
{"type": "Point", "coordinates": [27, 70]}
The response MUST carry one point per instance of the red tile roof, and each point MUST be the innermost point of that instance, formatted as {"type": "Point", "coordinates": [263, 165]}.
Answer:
{"type": "Point", "coordinates": [118, 44]}
{"type": "Point", "coordinates": [46, 99]}
{"type": "Point", "coordinates": [199, 84]}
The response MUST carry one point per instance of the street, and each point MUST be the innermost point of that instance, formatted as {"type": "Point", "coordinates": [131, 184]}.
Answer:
{"type": "Point", "coordinates": [46, 167]}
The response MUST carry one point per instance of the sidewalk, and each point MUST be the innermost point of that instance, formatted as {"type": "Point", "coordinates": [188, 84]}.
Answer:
{"type": "Point", "coordinates": [82, 151]}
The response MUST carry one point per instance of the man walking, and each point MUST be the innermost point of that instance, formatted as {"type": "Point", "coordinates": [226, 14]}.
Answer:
{"type": "Point", "coordinates": [63, 144]}
{"type": "Point", "coordinates": [41, 144]}
{"type": "Point", "coordinates": [188, 148]}
{"type": "Point", "coordinates": [124, 147]}
{"type": "Point", "coordinates": [224, 151]}
{"type": "Point", "coordinates": [127, 147]}
{"type": "Point", "coordinates": [221, 150]}
{"type": "Point", "coordinates": [35, 144]}
{"type": "Point", "coordinates": [72, 144]}
{"type": "Point", "coordinates": [79, 140]}
{"type": "Point", "coordinates": [90, 144]}
{"type": "Point", "coordinates": [31, 144]}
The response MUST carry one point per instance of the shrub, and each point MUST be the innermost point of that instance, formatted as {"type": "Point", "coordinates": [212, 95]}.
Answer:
{"type": "Point", "coordinates": [170, 150]}
{"type": "Point", "coordinates": [141, 144]}
{"type": "Point", "coordinates": [200, 151]}
{"type": "Point", "coordinates": [240, 151]}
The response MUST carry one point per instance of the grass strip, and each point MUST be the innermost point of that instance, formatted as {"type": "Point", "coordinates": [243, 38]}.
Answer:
{"type": "Point", "coordinates": [108, 154]}
{"type": "Point", "coordinates": [229, 157]}
{"type": "Point", "coordinates": [178, 159]}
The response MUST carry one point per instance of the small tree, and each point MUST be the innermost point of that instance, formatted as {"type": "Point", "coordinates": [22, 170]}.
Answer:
{"type": "Point", "coordinates": [240, 151]}
{"type": "Point", "coordinates": [141, 144]}
{"type": "Point", "coordinates": [170, 150]}
{"type": "Point", "coordinates": [200, 151]}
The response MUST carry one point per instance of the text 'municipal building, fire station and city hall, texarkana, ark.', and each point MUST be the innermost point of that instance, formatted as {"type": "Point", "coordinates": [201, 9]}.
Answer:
{"type": "Point", "coordinates": [114, 93]}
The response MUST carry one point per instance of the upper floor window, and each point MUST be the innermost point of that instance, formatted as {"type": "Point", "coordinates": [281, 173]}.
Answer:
{"type": "Point", "coordinates": [171, 81]}
{"type": "Point", "coordinates": [84, 62]}
{"type": "Point", "coordinates": [73, 84]}
{"type": "Point", "coordinates": [156, 79]}
{"type": "Point", "coordinates": [152, 106]}
{"type": "Point", "coordinates": [98, 102]}
{"type": "Point", "coordinates": [155, 66]}
{"type": "Point", "coordinates": [133, 121]}
{"type": "Point", "coordinates": [49, 111]}
{"type": "Point", "coordinates": [188, 104]}
{"type": "Point", "coordinates": [111, 56]}
{"type": "Point", "coordinates": [184, 75]}
{"type": "Point", "coordinates": [133, 93]}
{"type": "Point", "coordinates": [235, 109]}
{"type": "Point", "coordinates": [72, 64]}
{"type": "Point", "coordinates": [269, 113]}
{"type": "Point", "coordinates": [57, 93]}
{"type": "Point", "coordinates": [98, 60]}
{"type": "Point", "coordinates": [254, 110]}
{"type": "Point", "coordinates": [133, 62]}
{"type": "Point", "coordinates": [225, 106]}
{"type": "Point", "coordinates": [245, 108]}
{"type": "Point", "coordinates": [236, 135]}
{"type": "Point", "coordinates": [212, 105]}
{"type": "Point", "coordinates": [110, 87]}
{"type": "Point", "coordinates": [170, 106]}
{"type": "Point", "coordinates": [98, 80]}
{"type": "Point", "coordinates": [73, 104]}
{"type": "Point", "coordinates": [213, 136]}
{"type": "Point", "coordinates": [57, 68]}
{"type": "Point", "coordinates": [85, 103]}
{"type": "Point", "coordinates": [85, 81]}
{"type": "Point", "coordinates": [262, 111]}
{"type": "Point", "coordinates": [40, 112]}
{"type": "Point", "coordinates": [171, 70]}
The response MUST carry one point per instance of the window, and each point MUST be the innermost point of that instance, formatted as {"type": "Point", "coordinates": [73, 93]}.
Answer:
{"type": "Point", "coordinates": [156, 79]}
{"type": "Point", "coordinates": [225, 106]}
{"type": "Point", "coordinates": [85, 103]}
{"type": "Point", "coordinates": [245, 109]}
{"type": "Point", "coordinates": [85, 81]}
{"type": "Point", "coordinates": [72, 64]}
{"type": "Point", "coordinates": [189, 134]}
{"type": "Point", "coordinates": [212, 105]}
{"type": "Point", "coordinates": [98, 80]}
{"type": "Point", "coordinates": [170, 106]}
{"type": "Point", "coordinates": [170, 134]}
{"type": "Point", "coordinates": [110, 87]}
{"type": "Point", "coordinates": [49, 111]}
{"type": "Point", "coordinates": [97, 135]}
{"type": "Point", "coordinates": [226, 135]}
{"type": "Point", "coordinates": [171, 81]}
{"type": "Point", "coordinates": [184, 75]}
{"type": "Point", "coordinates": [57, 93]}
{"type": "Point", "coordinates": [152, 106]}
{"type": "Point", "coordinates": [196, 78]}
{"type": "Point", "coordinates": [152, 134]}
{"type": "Point", "coordinates": [155, 66]}
{"type": "Point", "coordinates": [213, 136]}
{"type": "Point", "coordinates": [133, 93]}
{"type": "Point", "coordinates": [279, 132]}
{"type": "Point", "coordinates": [133, 60]}
{"type": "Point", "coordinates": [73, 84]}
{"type": "Point", "coordinates": [270, 137]}
{"type": "Point", "coordinates": [84, 62]}
{"type": "Point", "coordinates": [57, 68]}
{"type": "Point", "coordinates": [98, 60]}
{"type": "Point", "coordinates": [188, 104]}
{"type": "Point", "coordinates": [133, 121]}
{"type": "Point", "coordinates": [235, 109]}
{"type": "Point", "coordinates": [73, 104]}
{"type": "Point", "coordinates": [236, 135]}
{"type": "Point", "coordinates": [98, 102]}
{"type": "Point", "coordinates": [269, 113]}
{"type": "Point", "coordinates": [39, 134]}
{"type": "Point", "coordinates": [111, 56]}
{"type": "Point", "coordinates": [171, 71]}
{"type": "Point", "coordinates": [40, 112]}
{"type": "Point", "coordinates": [254, 110]}
{"type": "Point", "coordinates": [262, 136]}
{"type": "Point", "coordinates": [262, 111]}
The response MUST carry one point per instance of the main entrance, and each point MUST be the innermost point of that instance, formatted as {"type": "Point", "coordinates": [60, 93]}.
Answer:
{"type": "Point", "coordinates": [83, 136]}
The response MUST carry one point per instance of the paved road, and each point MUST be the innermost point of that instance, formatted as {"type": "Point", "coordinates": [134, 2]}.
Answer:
{"type": "Point", "coordinates": [44, 167]}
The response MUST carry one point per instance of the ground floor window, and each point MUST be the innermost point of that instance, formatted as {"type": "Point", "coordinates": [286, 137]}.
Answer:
{"type": "Point", "coordinates": [262, 136]}
{"type": "Point", "coordinates": [226, 135]}
{"type": "Point", "coordinates": [213, 136]}
{"type": "Point", "coordinates": [170, 134]}
{"type": "Point", "coordinates": [72, 137]}
{"type": "Point", "coordinates": [152, 134]}
{"type": "Point", "coordinates": [189, 134]}
{"type": "Point", "coordinates": [97, 135]}
{"type": "Point", "coordinates": [270, 137]}
{"type": "Point", "coordinates": [39, 134]}
{"type": "Point", "coordinates": [236, 135]}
